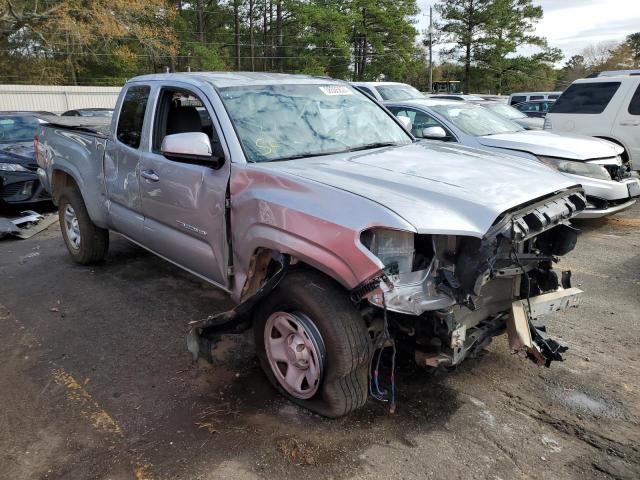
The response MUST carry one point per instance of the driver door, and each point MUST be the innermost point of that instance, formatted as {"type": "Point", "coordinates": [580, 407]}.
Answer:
{"type": "Point", "coordinates": [183, 199]}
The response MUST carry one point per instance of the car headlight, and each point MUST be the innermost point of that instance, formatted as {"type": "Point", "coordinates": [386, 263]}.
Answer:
{"type": "Point", "coordinates": [12, 167]}
{"type": "Point", "coordinates": [576, 167]}
{"type": "Point", "coordinates": [394, 248]}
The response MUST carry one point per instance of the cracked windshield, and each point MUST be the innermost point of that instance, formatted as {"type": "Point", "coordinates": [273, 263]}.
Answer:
{"type": "Point", "coordinates": [283, 122]}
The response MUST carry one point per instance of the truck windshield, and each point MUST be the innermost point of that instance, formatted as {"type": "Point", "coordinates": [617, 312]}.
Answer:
{"type": "Point", "coordinates": [14, 128]}
{"type": "Point", "coordinates": [283, 122]}
{"type": "Point", "coordinates": [475, 120]}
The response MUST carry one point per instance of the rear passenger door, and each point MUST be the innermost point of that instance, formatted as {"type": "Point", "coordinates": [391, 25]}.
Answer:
{"type": "Point", "coordinates": [183, 199]}
{"type": "Point", "coordinates": [627, 125]}
{"type": "Point", "coordinates": [121, 162]}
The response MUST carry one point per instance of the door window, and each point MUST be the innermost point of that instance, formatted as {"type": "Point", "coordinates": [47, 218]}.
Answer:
{"type": "Point", "coordinates": [181, 111]}
{"type": "Point", "coordinates": [589, 98]}
{"type": "Point", "coordinates": [129, 130]}
{"type": "Point", "coordinates": [536, 97]}
{"type": "Point", "coordinates": [634, 105]}
{"type": "Point", "coordinates": [517, 99]}
{"type": "Point", "coordinates": [419, 120]}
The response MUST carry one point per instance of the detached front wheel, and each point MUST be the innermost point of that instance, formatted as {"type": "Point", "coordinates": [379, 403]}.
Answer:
{"type": "Point", "coordinates": [313, 344]}
{"type": "Point", "coordinates": [87, 243]}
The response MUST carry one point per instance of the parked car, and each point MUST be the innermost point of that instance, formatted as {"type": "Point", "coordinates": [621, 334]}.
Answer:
{"type": "Point", "coordinates": [89, 112]}
{"type": "Point", "coordinates": [447, 96]}
{"type": "Point", "coordinates": [520, 97]}
{"type": "Point", "coordinates": [594, 163]}
{"type": "Point", "coordinates": [334, 230]}
{"type": "Point", "coordinates": [535, 108]}
{"type": "Point", "coordinates": [513, 114]}
{"type": "Point", "coordinates": [19, 182]}
{"type": "Point", "coordinates": [382, 91]}
{"type": "Point", "coordinates": [607, 106]}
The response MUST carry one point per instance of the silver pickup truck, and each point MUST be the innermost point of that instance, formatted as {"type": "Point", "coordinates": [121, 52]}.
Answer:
{"type": "Point", "coordinates": [338, 234]}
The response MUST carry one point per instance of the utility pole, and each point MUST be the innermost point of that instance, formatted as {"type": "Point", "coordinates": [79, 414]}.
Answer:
{"type": "Point", "coordinates": [431, 49]}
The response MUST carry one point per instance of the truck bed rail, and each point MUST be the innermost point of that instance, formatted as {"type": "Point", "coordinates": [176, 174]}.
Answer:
{"type": "Point", "coordinates": [99, 126]}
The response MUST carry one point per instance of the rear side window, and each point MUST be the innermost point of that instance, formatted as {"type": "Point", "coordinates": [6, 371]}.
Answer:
{"type": "Point", "coordinates": [518, 99]}
{"type": "Point", "coordinates": [634, 106]}
{"type": "Point", "coordinates": [553, 97]}
{"type": "Point", "coordinates": [131, 118]}
{"type": "Point", "coordinates": [590, 98]}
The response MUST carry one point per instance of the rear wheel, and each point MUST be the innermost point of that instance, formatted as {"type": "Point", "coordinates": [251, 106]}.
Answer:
{"type": "Point", "coordinates": [87, 243]}
{"type": "Point", "coordinates": [313, 344]}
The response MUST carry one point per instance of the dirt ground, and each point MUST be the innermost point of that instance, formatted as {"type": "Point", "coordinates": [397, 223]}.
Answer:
{"type": "Point", "coordinates": [96, 383]}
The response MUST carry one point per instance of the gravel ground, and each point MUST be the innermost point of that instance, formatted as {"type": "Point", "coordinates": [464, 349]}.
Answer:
{"type": "Point", "coordinates": [96, 382]}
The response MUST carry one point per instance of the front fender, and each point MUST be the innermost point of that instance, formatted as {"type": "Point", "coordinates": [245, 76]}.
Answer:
{"type": "Point", "coordinates": [347, 262]}
{"type": "Point", "coordinates": [315, 223]}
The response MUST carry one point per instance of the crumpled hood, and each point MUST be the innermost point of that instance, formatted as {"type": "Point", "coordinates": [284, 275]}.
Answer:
{"type": "Point", "coordinates": [436, 187]}
{"type": "Point", "coordinates": [22, 153]}
{"type": "Point", "coordinates": [552, 144]}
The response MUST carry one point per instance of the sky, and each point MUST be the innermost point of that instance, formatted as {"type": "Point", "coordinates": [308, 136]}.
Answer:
{"type": "Point", "coordinates": [571, 25]}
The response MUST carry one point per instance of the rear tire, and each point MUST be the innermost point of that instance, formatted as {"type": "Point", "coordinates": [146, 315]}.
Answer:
{"type": "Point", "coordinates": [87, 243]}
{"type": "Point", "coordinates": [323, 321]}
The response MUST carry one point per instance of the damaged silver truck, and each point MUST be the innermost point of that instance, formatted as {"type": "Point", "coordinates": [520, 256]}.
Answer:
{"type": "Point", "coordinates": [337, 233]}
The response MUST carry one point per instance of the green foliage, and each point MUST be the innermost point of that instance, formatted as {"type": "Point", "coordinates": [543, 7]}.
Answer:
{"type": "Point", "coordinates": [487, 34]}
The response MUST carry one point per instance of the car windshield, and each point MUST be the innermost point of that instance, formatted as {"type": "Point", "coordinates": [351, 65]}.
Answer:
{"type": "Point", "coordinates": [475, 120]}
{"type": "Point", "coordinates": [505, 110]}
{"type": "Point", "coordinates": [282, 122]}
{"type": "Point", "coordinates": [398, 92]}
{"type": "Point", "coordinates": [15, 128]}
{"type": "Point", "coordinates": [96, 113]}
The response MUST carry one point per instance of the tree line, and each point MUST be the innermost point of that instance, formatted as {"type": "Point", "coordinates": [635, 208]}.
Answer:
{"type": "Point", "coordinates": [104, 42]}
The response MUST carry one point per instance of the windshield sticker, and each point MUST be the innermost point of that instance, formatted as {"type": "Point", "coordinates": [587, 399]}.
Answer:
{"type": "Point", "coordinates": [335, 90]}
{"type": "Point", "coordinates": [7, 121]}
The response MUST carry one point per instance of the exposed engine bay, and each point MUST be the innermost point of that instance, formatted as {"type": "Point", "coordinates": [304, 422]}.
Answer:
{"type": "Point", "coordinates": [448, 296]}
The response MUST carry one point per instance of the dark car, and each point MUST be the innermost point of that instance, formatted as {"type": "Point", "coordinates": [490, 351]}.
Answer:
{"type": "Point", "coordinates": [89, 112]}
{"type": "Point", "coordinates": [19, 182]}
{"type": "Point", "coordinates": [535, 108]}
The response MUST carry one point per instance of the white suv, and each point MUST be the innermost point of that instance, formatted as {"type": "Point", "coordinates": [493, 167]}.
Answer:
{"type": "Point", "coordinates": [606, 106]}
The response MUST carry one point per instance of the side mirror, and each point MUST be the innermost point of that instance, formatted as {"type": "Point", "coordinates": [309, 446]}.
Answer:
{"type": "Point", "coordinates": [434, 133]}
{"type": "Point", "coordinates": [192, 146]}
{"type": "Point", "coordinates": [405, 121]}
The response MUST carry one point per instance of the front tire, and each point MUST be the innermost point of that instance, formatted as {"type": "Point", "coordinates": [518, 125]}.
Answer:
{"type": "Point", "coordinates": [87, 243]}
{"type": "Point", "coordinates": [313, 344]}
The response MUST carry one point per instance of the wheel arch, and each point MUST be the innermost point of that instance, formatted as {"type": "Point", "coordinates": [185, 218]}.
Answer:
{"type": "Point", "coordinates": [625, 154]}
{"type": "Point", "coordinates": [63, 178]}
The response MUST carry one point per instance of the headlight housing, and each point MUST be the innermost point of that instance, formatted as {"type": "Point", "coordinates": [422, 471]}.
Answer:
{"type": "Point", "coordinates": [12, 167]}
{"type": "Point", "coordinates": [394, 248]}
{"type": "Point", "coordinates": [574, 167]}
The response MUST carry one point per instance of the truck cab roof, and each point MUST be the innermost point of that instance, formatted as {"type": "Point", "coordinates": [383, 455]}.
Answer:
{"type": "Point", "coordinates": [236, 79]}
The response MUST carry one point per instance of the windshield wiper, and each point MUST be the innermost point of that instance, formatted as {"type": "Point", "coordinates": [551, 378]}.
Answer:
{"type": "Point", "coordinates": [373, 145]}
{"type": "Point", "coordinates": [306, 155]}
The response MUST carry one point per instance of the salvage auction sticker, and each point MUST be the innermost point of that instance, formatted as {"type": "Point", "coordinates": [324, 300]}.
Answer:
{"type": "Point", "coordinates": [335, 90]}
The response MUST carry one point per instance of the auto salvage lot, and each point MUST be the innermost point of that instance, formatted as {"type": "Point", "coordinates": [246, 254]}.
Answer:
{"type": "Point", "coordinates": [102, 352]}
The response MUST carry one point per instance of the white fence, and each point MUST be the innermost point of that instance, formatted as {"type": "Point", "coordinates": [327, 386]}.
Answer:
{"type": "Point", "coordinates": [56, 99]}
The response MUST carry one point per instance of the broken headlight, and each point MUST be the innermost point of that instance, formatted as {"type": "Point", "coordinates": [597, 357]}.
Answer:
{"type": "Point", "coordinates": [575, 167]}
{"type": "Point", "coordinates": [12, 167]}
{"type": "Point", "coordinates": [394, 248]}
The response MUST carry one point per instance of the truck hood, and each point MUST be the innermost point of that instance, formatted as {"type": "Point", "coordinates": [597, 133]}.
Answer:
{"type": "Point", "coordinates": [552, 144]}
{"type": "Point", "coordinates": [436, 187]}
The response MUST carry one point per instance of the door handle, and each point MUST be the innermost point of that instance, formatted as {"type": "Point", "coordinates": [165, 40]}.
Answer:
{"type": "Point", "coordinates": [629, 124]}
{"type": "Point", "coordinates": [149, 175]}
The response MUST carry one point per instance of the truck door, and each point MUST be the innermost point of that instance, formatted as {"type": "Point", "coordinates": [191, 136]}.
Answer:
{"type": "Point", "coordinates": [183, 199]}
{"type": "Point", "coordinates": [627, 125]}
{"type": "Point", "coordinates": [121, 160]}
